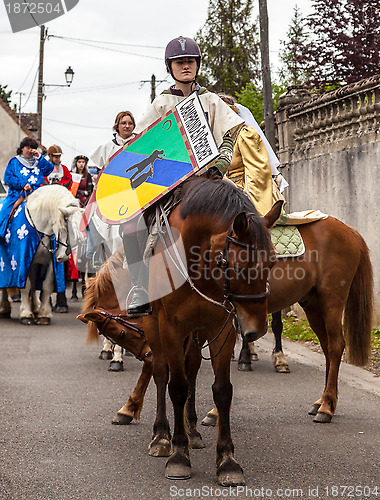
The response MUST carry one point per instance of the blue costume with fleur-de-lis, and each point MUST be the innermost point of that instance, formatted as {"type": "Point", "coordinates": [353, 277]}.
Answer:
{"type": "Point", "coordinates": [18, 173]}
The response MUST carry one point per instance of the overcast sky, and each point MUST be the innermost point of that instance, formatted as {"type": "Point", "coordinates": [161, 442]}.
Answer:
{"type": "Point", "coordinates": [107, 77]}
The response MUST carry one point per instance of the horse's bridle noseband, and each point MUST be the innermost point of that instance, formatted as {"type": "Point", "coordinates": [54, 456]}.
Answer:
{"type": "Point", "coordinates": [223, 263]}
{"type": "Point", "coordinates": [59, 242]}
{"type": "Point", "coordinates": [121, 319]}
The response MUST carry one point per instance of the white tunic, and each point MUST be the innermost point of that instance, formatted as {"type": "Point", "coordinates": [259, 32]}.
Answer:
{"type": "Point", "coordinates": [220, 117]}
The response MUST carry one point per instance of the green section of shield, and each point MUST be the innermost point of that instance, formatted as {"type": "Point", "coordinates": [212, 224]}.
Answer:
{"type": "Point", "coordinates": [165, 135]}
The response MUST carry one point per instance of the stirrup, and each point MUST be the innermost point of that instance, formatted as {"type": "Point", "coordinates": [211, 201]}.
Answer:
{"type": "Point", "coordinates": [136, 310]}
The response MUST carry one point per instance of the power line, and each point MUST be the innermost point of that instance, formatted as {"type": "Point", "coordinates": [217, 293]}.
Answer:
{"type": "Point", "coordinates": [30, 93]}
{"type": "Point", "coordinates": [29, 71]}
{"type": "Point", "coordinates": [60, 142]}
{"type": "Point", "coordinates": [109, 49]}
{"type": "Point", "coordinates": [106, 43]}
{"type": "Point", "coordinates": [76, 124]}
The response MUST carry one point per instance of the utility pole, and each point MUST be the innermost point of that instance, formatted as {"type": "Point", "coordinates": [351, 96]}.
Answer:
{"type": "Point", "coordinates": [153, 88]}
{"type": "Point", "coordinates": [40, 95]}
{"type": "Point", "coordinates": [265, 69]}
{"type": "Point", "coordinates": [153, 83]}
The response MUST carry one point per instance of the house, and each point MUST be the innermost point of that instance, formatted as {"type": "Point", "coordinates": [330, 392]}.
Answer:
{"type": "Point", "coordinates": [9, 133]}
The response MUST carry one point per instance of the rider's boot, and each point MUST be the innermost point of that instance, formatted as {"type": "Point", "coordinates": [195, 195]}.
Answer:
{"type": "Point", "coordinates": [137, 300]}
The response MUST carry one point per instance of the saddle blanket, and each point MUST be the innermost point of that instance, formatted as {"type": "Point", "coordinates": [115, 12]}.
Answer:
{"type": "Point", "coordinates": [17, 250]}
{"type": "Point", "coordinates": [287, 241]}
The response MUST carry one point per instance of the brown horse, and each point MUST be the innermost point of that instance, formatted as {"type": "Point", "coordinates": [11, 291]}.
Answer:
{"type": "Point", "coordinates": [229, 255]}
{"type": "Point", "coordinates": [102, 312]}
{"type": "Point", "coordinates": [333, 283]}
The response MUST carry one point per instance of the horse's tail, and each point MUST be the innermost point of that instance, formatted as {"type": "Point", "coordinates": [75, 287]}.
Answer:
{"type": "Point", "coordinates": [358, 312]}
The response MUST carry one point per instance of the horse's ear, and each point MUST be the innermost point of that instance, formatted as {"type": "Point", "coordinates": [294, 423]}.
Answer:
{"type": "Point", "coordinates": [69, 209]}
{"type": "Point", "coordinates": [274, 213]}
{"type": "Point", "coordinates": [240, 223]}
{"type": "Point", "coordinates": [91, 316]}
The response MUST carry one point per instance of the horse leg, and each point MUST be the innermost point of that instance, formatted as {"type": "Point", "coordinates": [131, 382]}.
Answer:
{"type": "Point", "coordinates": [326, 321]}
{"type": "Point", "coordinates": [5, 305]}
{"type": "Point", "coordinates": [160, 444]}
{"type": "Point", "coordinates": [44, 314]}
{"type": "Point", "coordinates": [26, 313]}
{"type": "Point", "coordinates": [252, 351]}
{"type": "Point", "coordinates": [107, 350]}
{"type": "Point", "coordinates": [244, 363]}
{"type": "Point", "coordinates": [132, 408]}
{"type": "Point", "coordinates": [228, 470]}
{"type": "Point", "coordinates": [117, 364]}
{"type": "Point", "coordinates": [178, 464]}
{"type": "Point", "coordinates": [192, 363]}
{"type": "Point", "coordinates": [278, 357]}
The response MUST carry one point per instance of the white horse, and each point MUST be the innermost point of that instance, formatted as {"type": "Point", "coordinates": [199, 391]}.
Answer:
{"type": "Point", "coordinates": [51, 211]}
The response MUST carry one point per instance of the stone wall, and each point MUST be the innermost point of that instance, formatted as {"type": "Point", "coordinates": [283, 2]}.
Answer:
{"type": "Point", "coordinates": [329, 147]}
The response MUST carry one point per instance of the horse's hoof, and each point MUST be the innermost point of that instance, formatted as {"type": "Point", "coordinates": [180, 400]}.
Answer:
{"type": "Point", "coordinates": [116, 366]}
{"type": "Point", "coordinates": [314, 409]}
{"type": "Point", "coordinates": [178, 470]}
{"type": "Point", "coordinates": [120, 419]}
{"type": "Point", "coordinates": [27, 321]}
{"type": "Point", "coordinates": [245, 367]}
{"type": "Point", "coordinates": [196, 443]}
{"type": "Point", "coordinates": [210, 420]}
{"type": "Point", "coordinates": [43, 321]}
{"type": "Point", "coordinates": [254, 357]}
{"type": "Point", "coordinates": [160, 448]}
{"type": "Point", "coordinates": [105, 355]}
{"type": "Point", "coordinates": [61, 309]}
{"type": "Point", "coordinates": [282, 369]}
{"type": "Point", "coordinates": [5, 315]}
{"type": "Point", "coordinates": [234, 478]}
{"type": "Point", "coordinates": [322, 418]}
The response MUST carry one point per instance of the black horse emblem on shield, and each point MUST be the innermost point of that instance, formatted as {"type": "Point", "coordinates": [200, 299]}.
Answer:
{"type": "Point", "coordinates": [141, 174]}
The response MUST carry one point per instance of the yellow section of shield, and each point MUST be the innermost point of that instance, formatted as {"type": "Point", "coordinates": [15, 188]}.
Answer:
{"type": "Point", "coordinates": [117, 201]}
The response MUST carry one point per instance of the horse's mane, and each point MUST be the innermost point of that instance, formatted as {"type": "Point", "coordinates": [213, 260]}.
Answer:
{"type": "Point", "coordinates": [102, 282]}
{"type": "Point", "coordinates": [222, 200]}
{"type": "Point", "coordinates": [214, 198]}
{"type": "Point", "coordinates": [45, 201]}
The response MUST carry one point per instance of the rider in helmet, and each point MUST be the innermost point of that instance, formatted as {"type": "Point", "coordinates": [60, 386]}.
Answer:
{"type": "Point", "coordinates": [182, 59]}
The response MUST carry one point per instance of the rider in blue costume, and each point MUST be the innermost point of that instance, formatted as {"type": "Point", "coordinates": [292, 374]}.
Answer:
{"type": "Point", "coordinates": [23, 174]}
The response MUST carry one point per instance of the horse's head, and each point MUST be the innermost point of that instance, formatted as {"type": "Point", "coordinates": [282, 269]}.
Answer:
{"type": "Point", "coordinates": [69, 234]}
{"type": "Point", "coordinates": [244, 258]}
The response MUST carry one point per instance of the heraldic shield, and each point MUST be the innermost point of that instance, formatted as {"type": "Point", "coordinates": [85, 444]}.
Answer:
{"type": "Point", "coordinates": [165, 154]}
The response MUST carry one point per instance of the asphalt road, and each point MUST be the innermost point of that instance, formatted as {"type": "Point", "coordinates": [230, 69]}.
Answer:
{"type": "Point", "coordinates": [57, 441]}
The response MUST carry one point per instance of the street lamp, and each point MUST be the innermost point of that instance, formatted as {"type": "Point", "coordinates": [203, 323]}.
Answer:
{"type": "Point", "coordinates": [69, 75]}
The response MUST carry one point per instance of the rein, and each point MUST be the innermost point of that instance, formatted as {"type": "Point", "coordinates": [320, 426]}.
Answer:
{"type": "Point", "coordinates": [227, 304]}
{"type": "Point", "coordinates": [121, 319]}
{"type": "Point", "coordinates": [228, 295]}
{"type": "Point", "coordinates": [44, 234]}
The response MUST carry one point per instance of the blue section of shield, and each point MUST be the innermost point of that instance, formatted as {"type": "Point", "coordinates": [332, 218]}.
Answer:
{"type": "Point", "coordinates": [165, 172]}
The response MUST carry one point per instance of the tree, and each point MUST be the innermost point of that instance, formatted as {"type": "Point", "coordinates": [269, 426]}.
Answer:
{"type": "Point", "coordinates": [5, 96]}
{"type": "Point", "coordinates": [229, 44]}
{"type": "Point", "coordinates": [344, 41]}
{"type": "Point", "coordinates": [252, 98]}
{"type": "Point", "coordinates": [294, 70]}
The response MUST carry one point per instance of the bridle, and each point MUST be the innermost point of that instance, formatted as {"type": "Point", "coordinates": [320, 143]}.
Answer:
{"type": "Point", "coordinates": [39, 233]}
{"type": "Point", "coordinates": [223, 263]}
{"type": "Point", "coordinates": [121, 319]}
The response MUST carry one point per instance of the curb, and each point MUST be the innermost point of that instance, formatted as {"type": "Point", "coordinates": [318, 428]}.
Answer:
{"type": "Point", "coordinates": [353, 375]}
